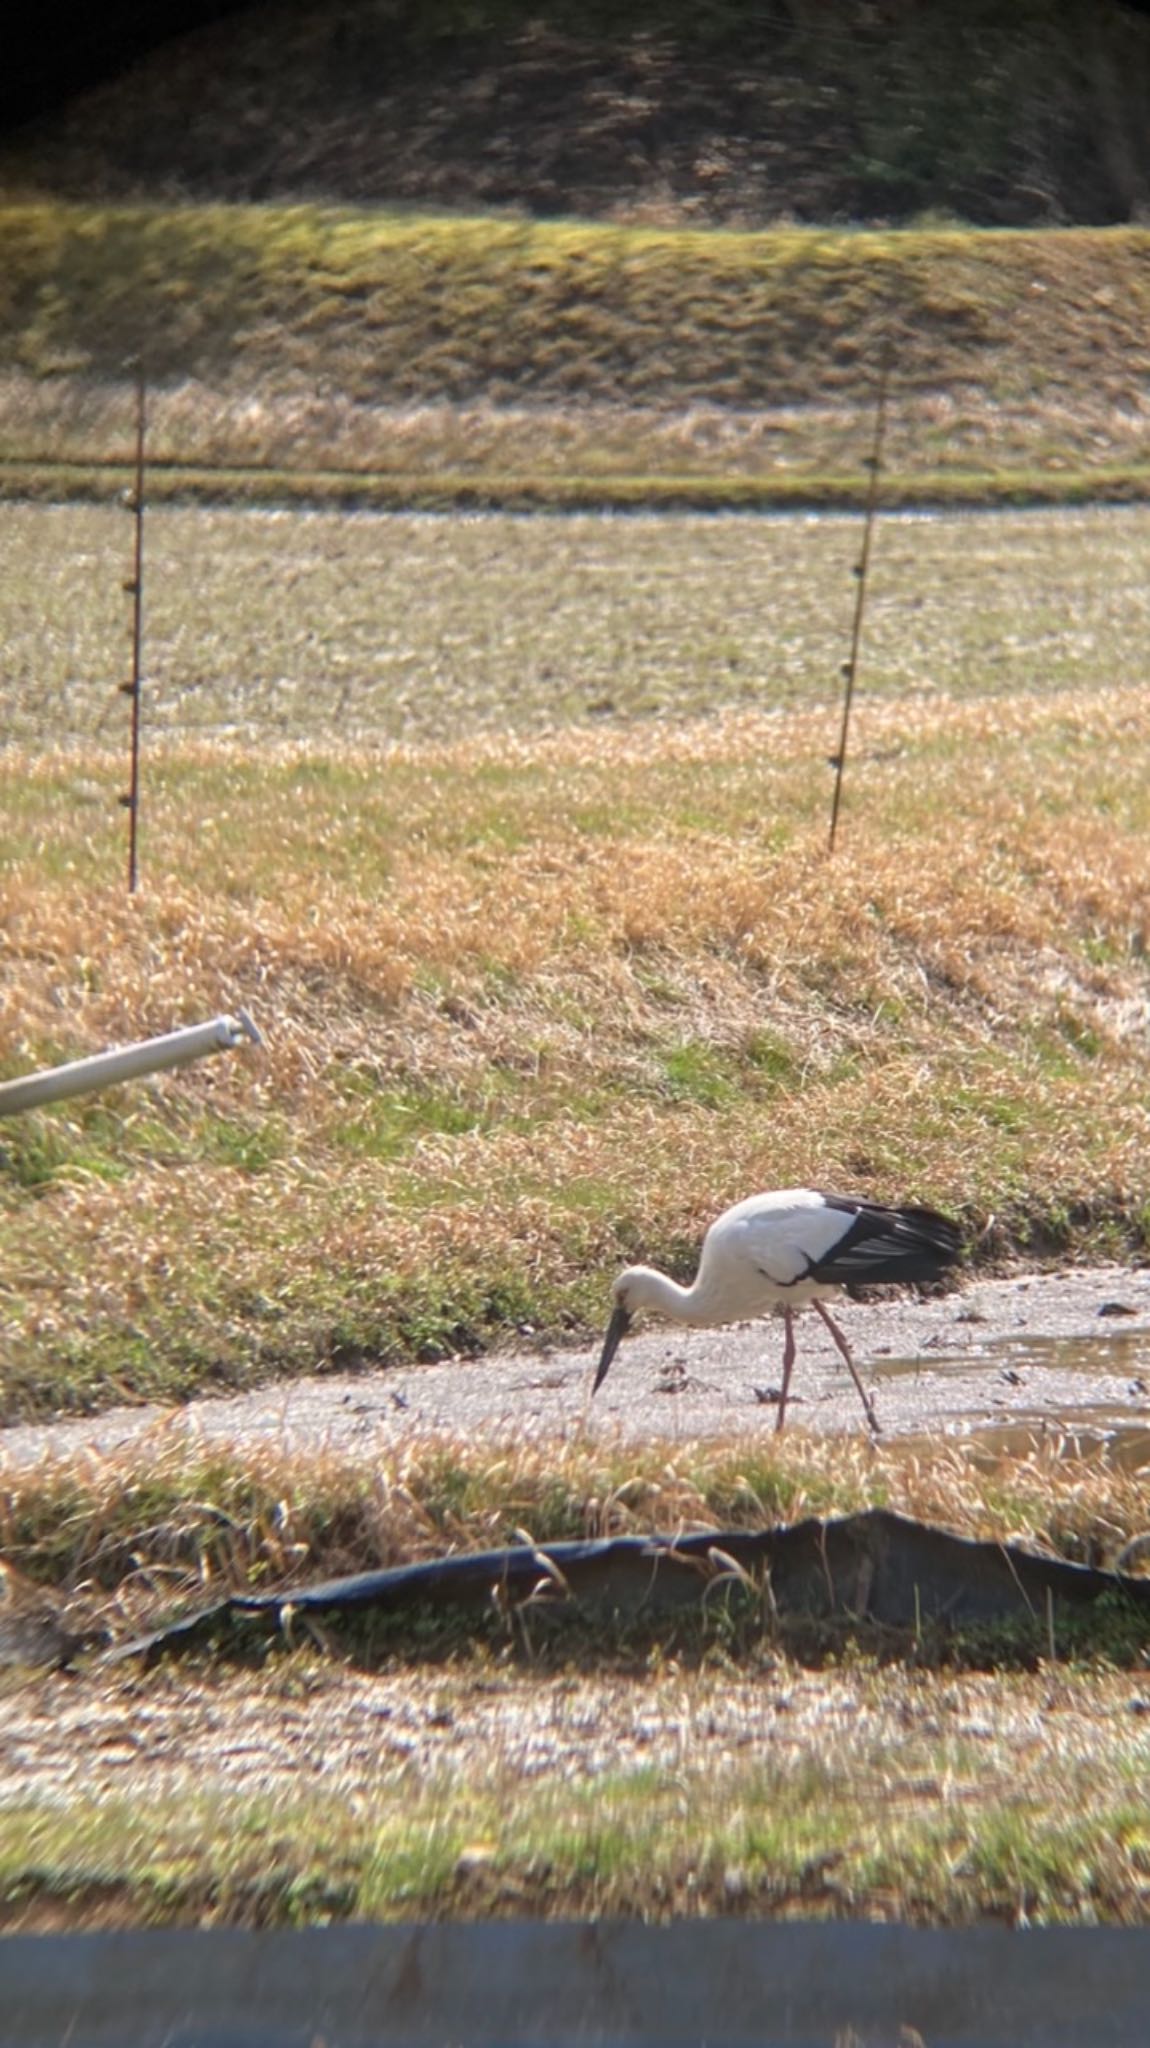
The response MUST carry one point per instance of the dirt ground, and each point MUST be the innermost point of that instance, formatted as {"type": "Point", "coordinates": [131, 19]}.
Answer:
{"type": "Point", "coordinates": [174, 1734]}
{"type": "Point", "coordinates": [1066, 1350]}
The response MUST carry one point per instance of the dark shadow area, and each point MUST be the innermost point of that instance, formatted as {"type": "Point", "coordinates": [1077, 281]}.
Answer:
{"type": "Point", "coordinates": [54, 51]}
{"type": "Point", "coordinates": [662, 113]}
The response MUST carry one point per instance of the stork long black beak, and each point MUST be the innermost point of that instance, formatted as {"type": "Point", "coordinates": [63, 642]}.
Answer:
{"type": "Point", "coordinates": [617, 1329]}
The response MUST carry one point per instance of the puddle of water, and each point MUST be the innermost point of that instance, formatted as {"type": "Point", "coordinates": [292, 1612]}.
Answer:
{"type": "Point", "coordinates": [1121, 1353]}
{"type": "Point", "coordinates": [1094, 1436]}
{"type": "Point", "coordinates": [1100, 1432]}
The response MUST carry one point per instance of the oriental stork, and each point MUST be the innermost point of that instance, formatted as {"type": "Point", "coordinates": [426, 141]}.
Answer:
{"type": "Point", "coordinates": [783, 1251]}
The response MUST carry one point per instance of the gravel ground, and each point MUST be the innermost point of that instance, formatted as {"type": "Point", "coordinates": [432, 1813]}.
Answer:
{"type": "Point", "coordinates": [344, 1733]}
{"type": "Point", "coordinates": [1066, 1350]}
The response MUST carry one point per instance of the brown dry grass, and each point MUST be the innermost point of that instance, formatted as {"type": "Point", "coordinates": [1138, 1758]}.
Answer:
{"type": "Point", "coordinates": [166, 1518]}
{"type": "Point", "coordinates": [533, 1005]}
{"type": "Point", "coordinates": [415, 310]}
{"type": "Point", "coordinates": [73, 438]}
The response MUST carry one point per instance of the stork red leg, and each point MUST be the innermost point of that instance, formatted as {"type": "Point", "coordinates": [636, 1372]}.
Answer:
{"type": "Point", "coordinates": [788, 1366]}
{"type": "Point", "coordinates": [844, 1347]}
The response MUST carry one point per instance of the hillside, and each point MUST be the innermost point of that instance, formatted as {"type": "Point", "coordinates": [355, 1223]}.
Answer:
{"type": "Point", "coordinates": [717, 114]}
{"type": "Point", "coordinates": [330, 237]}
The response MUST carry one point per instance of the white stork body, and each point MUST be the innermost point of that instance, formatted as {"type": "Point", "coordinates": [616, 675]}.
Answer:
{"type": "Point", "coordinates": [786, 1250]}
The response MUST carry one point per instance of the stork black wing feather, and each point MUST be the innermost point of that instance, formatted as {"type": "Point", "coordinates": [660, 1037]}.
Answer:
{"type": "Point", "coordinates": [888, 1247]}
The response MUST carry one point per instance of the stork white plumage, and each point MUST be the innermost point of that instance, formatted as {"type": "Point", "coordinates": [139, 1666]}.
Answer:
{"type": "Point", "coordinates": [783, 1251]}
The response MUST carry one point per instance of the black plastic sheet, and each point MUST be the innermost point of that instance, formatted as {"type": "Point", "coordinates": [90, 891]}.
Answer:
{"type": "Point", "coordinates": [875, 1567]}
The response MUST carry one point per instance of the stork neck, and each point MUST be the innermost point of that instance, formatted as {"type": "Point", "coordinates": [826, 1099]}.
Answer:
{"type": "Point", "coordinates": [647, 1288]}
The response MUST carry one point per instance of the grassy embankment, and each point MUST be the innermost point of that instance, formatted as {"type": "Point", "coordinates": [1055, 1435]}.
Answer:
{"type": "Point", "coordinates": [342, 356]}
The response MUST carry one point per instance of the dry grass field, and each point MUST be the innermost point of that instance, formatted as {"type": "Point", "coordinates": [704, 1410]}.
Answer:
{"type": "Point", "coordinates": [537, 999]}
{"type": "Point", "coordinates": [327, 628]}
{"type": "Point", "coordinates": [512, 835]}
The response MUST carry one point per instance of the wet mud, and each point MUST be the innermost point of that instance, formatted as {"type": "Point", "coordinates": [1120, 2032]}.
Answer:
{"type": "Point", "coordinates": [1063, 1356]}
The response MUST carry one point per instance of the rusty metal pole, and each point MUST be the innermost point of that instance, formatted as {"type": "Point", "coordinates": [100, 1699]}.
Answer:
{"type": "Point", "coordinates": [135, 589]}
{"type": "Point", "coordinates": [850, 666]}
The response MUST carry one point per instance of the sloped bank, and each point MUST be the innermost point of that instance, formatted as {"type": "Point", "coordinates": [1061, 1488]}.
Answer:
{"type": "Point", "coordinates": [351, 356]}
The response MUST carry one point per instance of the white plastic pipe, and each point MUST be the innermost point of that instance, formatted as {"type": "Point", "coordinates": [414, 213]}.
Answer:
{"type": "Point", "coordinates": [150, 1056]}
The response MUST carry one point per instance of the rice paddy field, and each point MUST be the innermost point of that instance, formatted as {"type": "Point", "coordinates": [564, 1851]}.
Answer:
{"type": "Point", "coordinates": [512, 835]}
{"type": "Point", "coordinates": [326, 627]}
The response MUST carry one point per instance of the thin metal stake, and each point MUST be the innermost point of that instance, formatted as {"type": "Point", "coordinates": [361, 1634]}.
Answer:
{"type": "Point", "coordinates": [850, 666]}
{"type": "Point", "coordinates": [135, 589]}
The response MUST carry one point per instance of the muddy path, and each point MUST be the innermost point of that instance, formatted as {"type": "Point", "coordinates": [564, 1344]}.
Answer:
{"type": "Point", "coordinates": [1008, 1357]}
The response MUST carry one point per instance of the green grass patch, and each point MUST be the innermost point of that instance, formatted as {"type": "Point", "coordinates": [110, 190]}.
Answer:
{"type": "Point", "coordinates": [386, 1123]}
{"type": "Point", "coordinates": [760, 1841]}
